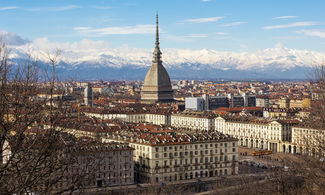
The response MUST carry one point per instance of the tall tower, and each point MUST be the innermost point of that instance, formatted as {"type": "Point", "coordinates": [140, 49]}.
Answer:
{"type": "Point", "coordinates": [156, 86]}
{"type": "Point", "coordinates": [88, 95]}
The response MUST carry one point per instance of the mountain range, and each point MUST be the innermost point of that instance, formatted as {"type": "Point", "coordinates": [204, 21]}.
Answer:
{"type": "Point", "coordinates": [87, 59]}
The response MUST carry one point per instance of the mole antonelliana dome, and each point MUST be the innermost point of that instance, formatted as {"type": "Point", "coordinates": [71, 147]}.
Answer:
{"type": "Point", "coordinates": [156, 86]}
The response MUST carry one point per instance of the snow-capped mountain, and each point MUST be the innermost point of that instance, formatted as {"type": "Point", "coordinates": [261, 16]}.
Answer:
{"type": "Point", "coordinates": [97, 60]}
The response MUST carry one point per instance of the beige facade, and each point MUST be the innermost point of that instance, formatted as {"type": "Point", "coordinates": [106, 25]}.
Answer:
{"type": "Point", "coordinates": [307, 141]}
{"type": "Point", "coordinates": [157, 119]}
{"type": "Point", "coordinates": [154, 118]}
{"type": "Point", "coordinates": [192, 121]}
{"type": "Point", "coordinates": [157, 163]}
{"type": "Point", "coordinates": [260, 134]}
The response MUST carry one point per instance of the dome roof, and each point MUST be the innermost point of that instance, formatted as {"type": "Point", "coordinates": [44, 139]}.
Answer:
{"type": "Point", "coordinates": [157, 76]}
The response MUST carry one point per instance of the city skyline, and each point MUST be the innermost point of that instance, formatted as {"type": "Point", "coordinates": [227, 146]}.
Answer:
{"type": "Point", "coordinates": [206, 39]}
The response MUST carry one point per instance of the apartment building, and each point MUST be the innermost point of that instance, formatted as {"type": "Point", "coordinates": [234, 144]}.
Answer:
{"type": "Point", "coordinates": [101, 165]}
{"type": "Point", "coordinates": [256, 133]}
{"type": "Point", "coordinates": [167, 155]}
{"type": "Point", "coordinates": [193, 120]}
{"type": "Point", "coordinates": [158, 118]}
{"type": "Point", "coordinates": [306, 140]}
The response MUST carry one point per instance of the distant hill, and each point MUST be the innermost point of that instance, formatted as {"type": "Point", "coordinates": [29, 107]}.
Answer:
{"type": "Point", "coordinates": [96, 60]}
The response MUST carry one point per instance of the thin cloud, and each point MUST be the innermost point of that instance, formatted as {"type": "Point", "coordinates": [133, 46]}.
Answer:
{"type": "Point", "coordinates": [313, 33]}
{"type": "Point", "coordinates": [205, 0]}
{"type": "Point", "coordinates": [203, 20]}
{"type": "Point", "coordinates": [9, 8]}
{"type": "Point", "coordinates": [197, 35]}
{"type": "Point", "coordinates": [291, 25]}
{"type": "Point", "coordinates": [118, 30]}
{"type": "Point", "coordinates": [62, 8]}
{"type": "Point", "coordinates": [102, 7]}
{"type": "Point", "coordinates": [233, 24]}
{"type": "Point", "coordinates": [80, 28]}
{"type": "Point", "coordinates": [221, 33]}
{"type": "Point", "coordinates": [284, 17]}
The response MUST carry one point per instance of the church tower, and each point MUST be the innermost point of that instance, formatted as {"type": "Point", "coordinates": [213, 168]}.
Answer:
{"type": "Point", "coordinates": [156, 86]}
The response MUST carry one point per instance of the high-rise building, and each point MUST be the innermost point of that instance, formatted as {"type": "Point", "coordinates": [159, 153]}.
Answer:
{"type": "Point", "coordinates": [194, 103]}
{"type": "Point", "coordinates": [157, 86]}
{"type": "Point", "coordinates": [88, 95]}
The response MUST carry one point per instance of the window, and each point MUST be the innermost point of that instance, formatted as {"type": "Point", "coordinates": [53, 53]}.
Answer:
{"type": "Point", "coordinates": [157, 155]}
{"type": "Point", "coordinates": [165, 149]}
{"type": "Point", "coordinates": [165, 154]}
{"type": "Point", "coordinates": [225, 144]}
{"type": "Point", "coordinates": [216, 145]}
{"type": "Point", "coordinates": [233, 157]}
{"type": "Point", "coordinates": [233, 149]}
{"type": "Point", "coordinates": [233, 144]}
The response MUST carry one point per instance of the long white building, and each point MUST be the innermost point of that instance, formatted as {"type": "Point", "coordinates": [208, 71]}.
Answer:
{"type": "Point", "coordinates": [262, 134]}
{"type": "Point", "coordinates": [194, 121]}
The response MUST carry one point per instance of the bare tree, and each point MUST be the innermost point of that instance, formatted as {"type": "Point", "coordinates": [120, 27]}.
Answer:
{"type": "Point", "coordinates": [32, 159]}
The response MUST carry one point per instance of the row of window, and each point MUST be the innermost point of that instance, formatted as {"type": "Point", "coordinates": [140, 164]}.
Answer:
{"type": "Point", "coordinates": [196, 146]}
{"type": "Point", "coordinates": [195, 175]}
{"type": "Point", "coordinates": [195, 160]}
{"type": "Point", "coordinates": [206, 152]}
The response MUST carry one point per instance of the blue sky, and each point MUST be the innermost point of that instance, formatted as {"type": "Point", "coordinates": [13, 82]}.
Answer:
{"type": "Point", "coordinates": [225, 25]}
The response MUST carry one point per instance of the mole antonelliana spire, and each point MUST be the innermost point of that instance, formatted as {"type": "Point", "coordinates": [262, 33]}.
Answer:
{"type": "Point", "coordinates": [156, 86]}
